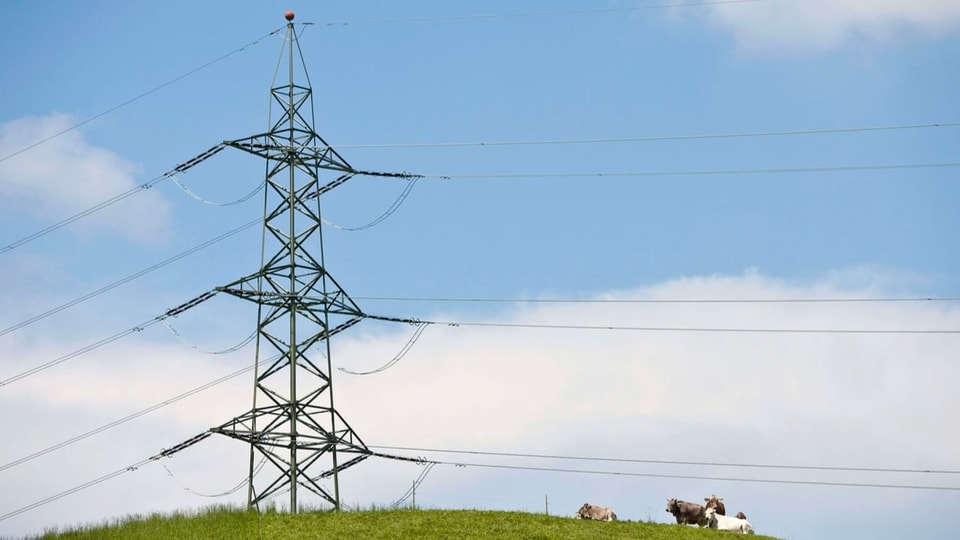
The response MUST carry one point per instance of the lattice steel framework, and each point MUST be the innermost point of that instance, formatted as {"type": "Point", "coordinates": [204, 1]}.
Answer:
{"type": "Point", "coordinates": [293, 424]}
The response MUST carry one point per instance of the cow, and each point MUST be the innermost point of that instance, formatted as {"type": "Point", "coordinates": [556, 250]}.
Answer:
{"type": "Point", "coordinates": [686, 512]}
{"type": "Point", "coordinates": [726, 523]}
{"type": "Point", "coordinates": [715, 502]}
{"type": "Point", "coordinates": [598, 513]}
{"type": "Point", "coordinates": [741, 515]}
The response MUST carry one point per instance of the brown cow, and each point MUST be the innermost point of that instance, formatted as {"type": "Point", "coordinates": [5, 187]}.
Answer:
{"type": "Point", "coordinates": [687, 512]}
{"type": "Point", "coordinates": [598, 513]}
{"type": "Point", "coordinates": [715, 502]}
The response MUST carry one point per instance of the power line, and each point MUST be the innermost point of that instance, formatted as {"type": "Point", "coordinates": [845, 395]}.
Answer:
{"type": "Point", "coordinates": [652, 138]}
{"type": "Point", "coordinates": [233, 348]}
{"type": "Point", "coordinates": [138, 328]}
{"type": "Point", "coordinates": [673, 462]}
{"type": "Point", "coordinates": [689, 477]}
{"type": "Point", "coordinates": [453, 18]}
{"type": "Point", "coordinates": [198, 438]}
{"type": "Point", "coordinates": [139, 97]}
{"type": "Point", "coordinates": [125, 419]}
{"type": "Point", "coordinates": [183, 187]}
{"type": "Point", "coordinates": [130, 468]}
{"type": "Point", "coordinates": [702, 172]}
{"type": "Point", "coordinates": [146, 324]}
{"type": "Point", "coordinates": [387, 213]}
{"type": "Point", "coordinates": [75, 489]}
{"type": "Point", "coordinates": [117, 198]}
{"type": "Point", "coordinates": [32, 371]}
{"type": "Point", "coordinates": [234, 489]}
{"type": "Point", "coordinates": [130, 278]}
{"type": "Point", "coordinates": [658, 301]}
{"type": "Point", "coordinates": [79, 215]}
{"type": "Point", "coordinates": [167, 453]}
{"type": "Point", "coordinates": [714, 172]}
{"type": "Point", "coordinates": [692, 329]}
{"type": "Point", "coordinates": [213, 383]}
{"type": "Point", "coordinates": [245, 226]}
{"type": "Point", "coordinates": [399, 356]}
{"type": "Point", "coordinates": [413, 488]}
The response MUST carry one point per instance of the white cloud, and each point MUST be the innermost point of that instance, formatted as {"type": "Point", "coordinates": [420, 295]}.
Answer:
{"type": "Point", "coordinates": [469, 380]}
{"type": "Point", "coordinates": [67, 174]}
{"type": "Point", "coordinates": [819, 25]}
{"type": "Point", "coordinates": [864, 400]}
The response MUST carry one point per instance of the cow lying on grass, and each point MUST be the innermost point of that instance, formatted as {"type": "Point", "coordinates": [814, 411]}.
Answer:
{"type": "Point", "coordinates": [726, 523]}
{"type": "Point", "coordinates": [598, 513]}
{"type": "Point", "coordinates": [717, 502]}
{"type": "Point", "coordinates": [686, 512]}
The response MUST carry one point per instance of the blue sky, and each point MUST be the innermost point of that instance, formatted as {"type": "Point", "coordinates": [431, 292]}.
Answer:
{"type": "Point", "coordinates": [558, 93]}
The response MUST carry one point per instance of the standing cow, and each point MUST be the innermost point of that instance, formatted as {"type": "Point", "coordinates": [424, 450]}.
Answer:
{"type": "Point", "coordinates": [715, 502]}
{"type": "Point", "coordinates": [598, 513]}
{"type": "Point", "coordinates": [687, 512]}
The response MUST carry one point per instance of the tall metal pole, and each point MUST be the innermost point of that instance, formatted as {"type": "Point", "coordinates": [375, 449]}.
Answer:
{"type": "Point", "coordinates": [297, 430]}
{"type": "Point", "coordinates": [291, 248]}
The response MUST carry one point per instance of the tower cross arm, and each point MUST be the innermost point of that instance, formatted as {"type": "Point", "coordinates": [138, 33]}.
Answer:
{"type": "Point", "coordinates": [270, 146]}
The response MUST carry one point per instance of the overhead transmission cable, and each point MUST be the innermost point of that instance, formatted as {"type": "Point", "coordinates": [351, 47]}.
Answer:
{"type": "Point", "coordinates": [85, 213]}
{"type": "Point", "coordinates": [100, 206]}
{"type": "Point", "coordinates": [421, 326]}
{"type": "Point", "coordinates": [59, 360]}
{"type": "Point", "coordinates": [653, 138]}
{"type": "Point", "coordinates": [452, 18]}
{"type": "Point", "coordinates": [440, 19]}
{"type": "Point", "coordinates": [657, 300]}
{"type": "Point", "coordinates": [230, 491]}
{"type": "Point", "coordinates": [138, 328]}
{"type": "Point", "coordinates": [191, 163]}
{"type": "Point", "coordinates": [673, 462]}
{"type": "Point", "coordinates": [201, 157]}
{"type": "Point", "coordinates": [130, 468]}
{"type": "Point", "coordinates": [680, 476]}
{"type": "Point", "coordinates": [695, 328]}
{"type": "Point", "coordinates": [422, 460]}
{"type": "Point", "coordinates": [131, 277]}
{"type": "Point", "coordinates": [507, 454]}
{"type": "Point", "coordinates": [204, 435]}
{"type": "Point", "coordinates": [75, 489]}
{"type": "Point", "coordinates": [243, 343]}
{"type": "Point", "coordinates": [416, 483]}
{"type": "Point", "coordinates": [127, 418]}
{"type": "Point", "coordinates": [890, 331]}
{"type": "Point", "coordinates": [140, 96]}
{"type": "Point", "coordinates": [701, 172]}
{"type": "Point", "coordinates": [245, 226]}
{"type": "Point", "coordinates": [193, 195]}
{"type": "Point", "coordinates": [387, 213]}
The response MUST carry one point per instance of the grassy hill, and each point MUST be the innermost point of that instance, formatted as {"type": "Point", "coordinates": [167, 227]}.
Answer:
{"type": "Point", "coordinates": [237, 524]}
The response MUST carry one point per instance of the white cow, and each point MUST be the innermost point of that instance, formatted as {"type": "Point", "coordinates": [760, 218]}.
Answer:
{"type": "Point", "coordinates": [727, 523]}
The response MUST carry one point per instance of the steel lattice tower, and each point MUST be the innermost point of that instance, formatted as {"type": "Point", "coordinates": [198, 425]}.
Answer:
{"type": "Point", "coordinates": [293, 424]}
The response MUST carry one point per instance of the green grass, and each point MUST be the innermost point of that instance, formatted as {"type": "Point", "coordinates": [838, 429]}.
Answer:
{"type": "Point", "coordinates": [232, 523]}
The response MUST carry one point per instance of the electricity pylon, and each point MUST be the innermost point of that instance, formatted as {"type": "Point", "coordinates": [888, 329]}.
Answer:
{"type": "Point", "coordinates": [293, 424]}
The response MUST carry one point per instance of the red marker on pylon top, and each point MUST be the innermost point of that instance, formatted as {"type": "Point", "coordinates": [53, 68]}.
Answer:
{"type": "Point", "coordinates": [289, 15]}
